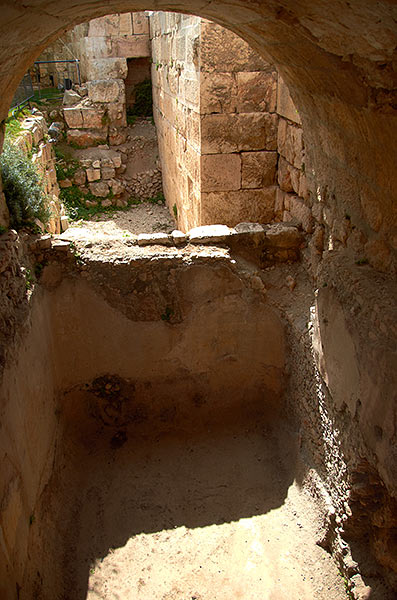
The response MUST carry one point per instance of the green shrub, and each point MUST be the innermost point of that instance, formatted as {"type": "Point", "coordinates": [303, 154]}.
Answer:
{"type": "Point", "coordinates": [74, 200]}
{"type": "Point", "coordinates": [23, 188]}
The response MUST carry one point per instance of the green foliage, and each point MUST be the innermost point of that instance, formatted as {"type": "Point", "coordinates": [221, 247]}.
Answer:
{"type": "Point", "coordinates": [2, 229]}
{"type": "Point", "coordinates": [23, 188]}
{"type": "Point", "coordinates": [157, 199]}
{"type": "Point", "coordinates": [143, 106]}
{"type": "Point", "coordinates": [362, 261]}
{"type": "Point", "coordinates": [74, 200]}
{"type": "Point", "coordinates": [14, 121]}
{"type": "Point", "coordinates": [166, 316]}
{"type": "Point", "coordinates": [175, 211]}
{"type": "Point", "coordinates": [131, 118]}
{"type": "Point", "coordinates": [47, 94]}
{"type": "Point", "coordinates": [65, 169]}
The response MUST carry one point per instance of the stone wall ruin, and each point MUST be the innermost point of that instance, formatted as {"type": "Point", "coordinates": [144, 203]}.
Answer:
{"type": "Point", "coordinates": [337, 61]}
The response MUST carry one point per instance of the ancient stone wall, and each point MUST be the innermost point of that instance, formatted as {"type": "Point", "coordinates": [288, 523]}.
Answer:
{"type": "Point", "coordinates": [176, 110]}
{"type": "Point", "coordinates": [230, 137]}
{"type": "Point", "coordinates": [34, 140]}
{"type": "Point", "coordinates": [96, 112]}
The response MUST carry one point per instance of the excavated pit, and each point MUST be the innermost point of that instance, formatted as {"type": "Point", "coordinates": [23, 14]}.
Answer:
{"type": "Point", "coordinates": [159, 457]}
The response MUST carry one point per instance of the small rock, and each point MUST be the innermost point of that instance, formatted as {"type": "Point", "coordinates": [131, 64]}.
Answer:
{"type": "Point", "coordinates": [64, 223]}
{"type": "Point", "coordinates": [291, 282]}
{"type": "Point", "coordinates": [65, 183]}
{"type": "Point", "coordinates": [178, 237]}
{"type": "Point", "coordinates": [70, 98]}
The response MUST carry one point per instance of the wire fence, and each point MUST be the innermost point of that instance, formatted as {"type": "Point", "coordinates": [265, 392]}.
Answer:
{"type": "Point", "coordinates": [47, 79]}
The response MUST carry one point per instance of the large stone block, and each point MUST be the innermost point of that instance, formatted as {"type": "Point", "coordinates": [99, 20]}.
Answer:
{"type": "Point", "coordinates": [258, 169]}
{"type": "Point", "coordinates": [220, 172]}
{"type": "Point", "coordinates": [87, 137]}
{"type": "Point", "coordinates": [235, 132]}
{"type": "Point", "coordinates": [140, 23]}
{"type": "Point", "coordinates": [192, 91]}
{"type": "Point", "coordinates": [137, 46]}
{"type": "Point", "coordinates": [97, 47]}
{"type": "Point", "coordinates": [117, 136]}
{"type": "Point", "coordinates": [106, 26]}
{"type": "Point", "coordinates": [301, 213]}
{"type": "Point", "coordinates": [290, 143]}
{"type": "Point", "coordinates": [99, 189]}
{"type": "Point", "coordinates": [238, 206]}
{"type": "Point", "coordinates": [285, 106]}
{"type": "Point", "coordinates": [107, 68]}
{"type": "Point", "coordinates": [256, 92]}
{"type": "Point", "coordinates": [284, 175]}
{"type": "Point", "coordinates": [125, 23]}
{"type": "Point", "coordinates": [223, 51]}
{"type": "Point", "coordinates": [93, 117]}
{"type": "Point", "coordinates": [117, 114]}
{"type": "Point", "coordinates": [218, 92]}
{"type": "Point", "coordinates": [105, 90]}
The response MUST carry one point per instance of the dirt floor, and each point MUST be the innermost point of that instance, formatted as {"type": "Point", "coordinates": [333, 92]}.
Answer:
{"type": "Point", "coordinates": [218, 514]}
{"type": "Point", "coordinates": [141, 218]}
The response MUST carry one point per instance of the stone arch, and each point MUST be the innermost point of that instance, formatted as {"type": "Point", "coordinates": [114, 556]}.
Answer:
{"type": "Point", "coordinates": [337, 60]}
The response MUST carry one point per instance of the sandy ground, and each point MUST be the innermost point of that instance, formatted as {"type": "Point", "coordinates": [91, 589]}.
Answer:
{"type": "Point", "coordinates": [142, 218]}
{"type": "Point", "coordinates": [186, 515]}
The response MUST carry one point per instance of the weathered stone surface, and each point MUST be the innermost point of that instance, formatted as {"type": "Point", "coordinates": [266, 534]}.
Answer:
{"type": "Point", "coordinates": [87, 137]}
{"type": "Point", "coordinates": [117, 136]}
{"type": "Point", "coordinates": [133, 47]}
{"type": "Point", "coordinates": [117, 115]}
{"type": "Point", "coordinates": [140, 23]}
{"type": "Point", "coordinates": [283, 236]}
{"type": "Point", "coordinates": [218, 93]}
{"type": "Point", "coordinates": [107, 68]}
{"type": "Point", "coordinates": [302, 213]}
{"type": "Point", "coordinates": [117, 187]}
{"type": "Point", "coordinates": [106, 90]}
{"type": "Point", "coordinates": [73, 117]}
{"type": "Point", "coordinates": [284, 175]}
{"type": "Point", "coordinates": [108, 172]}
{"type": "Point", "coordinates": [222, 52]}
{"type": "Point", "coordinates": [256, 92]}
{"type": "Point", "coordinates": [209, 234]}
{"type": "Point", "coordinates": [178, 237]}
{"type": "Point", "coordinates": [290, 143]}
{"type": "Point", "coordinates": [99, 189]}
{"type": "Point", "coordinates": [237, 206]}
{"type": "Point", "coordinates": [220, 172]}
{"type": "Point", "coordinates": [149, 239]}
{"type": "Point", "coordinates": [258, 169]}
{"type": "Point", "coordinates": [79, 178]}
{"type": "Point", "coordinates": [125, 24]}
{"type": "Point", "coordinates": [93, 174]}
{"type": "Point", "coordinates": [285, 106]}
{"type": "Point", "coordinates": [93, 117]}
{"type": "Point", "coordinates": [234, 132]}
{"type": "Point", "coordinates": [70, 98]}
